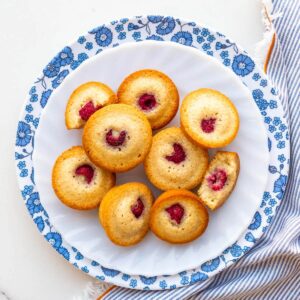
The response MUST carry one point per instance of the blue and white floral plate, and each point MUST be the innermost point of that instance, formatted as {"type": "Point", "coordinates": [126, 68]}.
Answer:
{"type": "Point", "coordinates": [268, 148]}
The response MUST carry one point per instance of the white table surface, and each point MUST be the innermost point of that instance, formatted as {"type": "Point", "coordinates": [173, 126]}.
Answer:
{"type": "Point", "coordinates": [31, 33]}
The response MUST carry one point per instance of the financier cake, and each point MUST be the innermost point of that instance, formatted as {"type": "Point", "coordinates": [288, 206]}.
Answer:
{"type": "Point", "coordinates": [85, 100]}
{"type": "Point", "coordinates": [174, 161]}
{"type": "Point", "coordinates": [124, 213]}
{"type": "Point", "coordinates": [209, 118]}
{"type": "Point", "coordinates": [178, 216]}
{"type": "Point", "coordinates": [219, 179]}
{"type": "Point", "coordinates": [153, 93]}
{"type": "Point", "coordinates": [77, 182]}
{"type": "Point", "coordinates": [117, 137]}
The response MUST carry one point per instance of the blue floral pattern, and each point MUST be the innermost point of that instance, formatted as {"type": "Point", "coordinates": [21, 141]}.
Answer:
{"type": "Point", "coordinates": [103, 36]}
{"type": "Point", "coordinates": [154, 38]}
{"type": "Point", "coordinates": [199, 276]}
{"type": "Point", "coordinates": [155, 19]}
{"type": "Point", "coordinates": [33, 204]}
{"type": "Point", "coordinates": [183, 37]}
{"type": "Point", "coordinates": [23, 134]}
{"type": "Point", "coordinates": [110, 272]}
{"type": "Point", "coordinates": [157, 28]}
{"type": "Point", "coordinates": [54, 239]}
{"type": "Point", "coordinates": [52, 69]}
{"type": "Point", "coordinates": [279, 186]}
{"type": "Point", "coordinates": [166, 26]}
{"type": "Point", "coordinates": [256, 223]}
{"type": "Point", "coordinates": [242, 65]}
{"type": "Point", "coordinates": [148, 280]}
{"type": "Point", "coordinates": [211, 265]}
{"type": "Point", "coordinates": [65, 57]}
{"type": "Point", "coordinates": [40, 223]}
{"type": "Point", "coordinates": [44, 98]}
{"type": "Point", "coordinates": [59, 79]}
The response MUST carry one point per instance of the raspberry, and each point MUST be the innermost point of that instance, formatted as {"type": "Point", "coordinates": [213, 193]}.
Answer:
{"type": "Point", "coordinates": [114, 138]}
{"type": "Point", "coordinates": [176, 212]}
{"type": "Point", "coordinates": [178, 154]}
{"type": "Point", "coordinates": [137, 208]}
{"type": "Point", "coordinates": [208, 125]}
{"type": "Point", "coordinates": [87, 171]}
{"type": "Point", "coordinates": [87, 110]}
{"type": "Point", "coordinates": [217, 179]}
{"type": "Point", "coordinates": [147, 102]}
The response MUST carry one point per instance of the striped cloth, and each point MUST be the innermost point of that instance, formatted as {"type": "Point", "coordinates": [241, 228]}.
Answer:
{"type": "Point", "coordinates": [272, 269]}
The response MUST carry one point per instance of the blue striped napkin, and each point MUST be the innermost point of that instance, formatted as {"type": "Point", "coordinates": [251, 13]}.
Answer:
{"type": "Point", "coordinates": [272, 269]}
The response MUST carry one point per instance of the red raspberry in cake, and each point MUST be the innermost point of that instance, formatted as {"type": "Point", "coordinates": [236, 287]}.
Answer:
{"type": "Point", "coordinates": [174, 161]}
{"type": "Point", "coordinates": [85, 101]}
{"type": "Point", "coordinates": [176, 212]}
{"type": "Point", "coordinates": [153, 93]}
{"type": "Point", "coordinates": [178, 155]}
{"type": "Point", "coordinates": [178, 216]}
{"type": "Point", "coordinates": [117, 137]}
{"type": "Point", "coordinates": [137, 208]}
{"type": "Point", "coordinates": [219, 179]}
{"type": "Point", "coordinates": [147, 102]}
{"type": "Point", "coordinates": [87, 171]}
{"type": "Point", "coordinates": [114, 138]}
{"type": "Point", "coordinates": [209, 118]}
{"type": "Point", "coordinates": [208, 125]}
{"type": "Point", "coordinates": [87, 110]}
{"type": "Point", "coordinates": [77, 182]}
{"type": "Point", "coordinates": [125, 212]}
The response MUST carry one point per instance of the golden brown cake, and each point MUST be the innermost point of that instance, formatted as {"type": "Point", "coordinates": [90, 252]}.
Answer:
{"type": "Point", "coordinates": [178, 216]}
{"type": "Point", "coordinates": [174, 161]}
{"type": "Point", "coordinates": [117, 137]}
{"type": "Point", "coordinates": [153, 93]}
{"type": "Point", "coordinates": [77, 182]}
{"type": "Point", "coordinates": [209, 118]}
{"type": "Point", "coordinates": [85, 100]}
{"type": "Point", "coordinates": [219, 179]}
{"type": "Point", "coordinates": [124, 213]}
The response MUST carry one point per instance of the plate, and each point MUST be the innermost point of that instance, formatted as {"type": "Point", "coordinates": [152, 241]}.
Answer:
{"type": "Point", "coordinates": [220, 64]}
